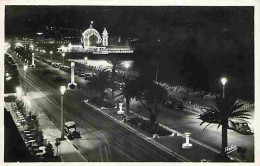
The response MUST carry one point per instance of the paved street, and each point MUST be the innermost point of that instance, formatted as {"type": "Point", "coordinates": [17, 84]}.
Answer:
{"type": "Point", "coordinates": [184, 122]}
{"type": "Point", "coordinates": [102, 139]}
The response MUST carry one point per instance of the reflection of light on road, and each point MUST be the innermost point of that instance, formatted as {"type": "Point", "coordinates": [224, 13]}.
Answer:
{"type": "Point", "coordinates": [100, 63]}
{"type": "Point", "coordinates": [37, 95]}
{"type": "Point", "coordinates": [94, 141]}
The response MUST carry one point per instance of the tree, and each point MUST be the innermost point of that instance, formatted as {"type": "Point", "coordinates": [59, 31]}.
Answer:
{"type": "Point", "coordinates": [128, 92]}
{"type": "Point", "coordinates": [221, 112]}
{"type": "Point", "coordinates": [151, 95]}
{"type": "Point", "coordinates": [38, 135]}
{"type": "Point", "coordinates": [114, 61]}
{"type": "Point", "coordinates": [99, 83]}
{"type": "Point", "coordinates": [49, 152]}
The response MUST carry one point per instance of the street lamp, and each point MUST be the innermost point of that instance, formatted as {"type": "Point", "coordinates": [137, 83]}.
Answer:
{"type": "Point", "coordinates": [18, 93]}
{"type": "Point", "coordinates": [223, 80]}
{"type": "Point", "coordinates": [32, 47]}
{"type": "Point", "coordinates": [86, 62]}
{"type": "Point", "coordinates": [63, 55]}
{"type": "Point", "coordinates": [25, 68]}
{"type": "Point", "coordinates": [62, 90]}
{"type": "Point", "coordinates": [127, 65]}
{"type": "Point", "coordinates": [51, 52]}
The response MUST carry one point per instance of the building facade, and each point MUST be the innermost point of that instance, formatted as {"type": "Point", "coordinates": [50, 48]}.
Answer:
{"type": "Point", "coordinates": [93, 42]}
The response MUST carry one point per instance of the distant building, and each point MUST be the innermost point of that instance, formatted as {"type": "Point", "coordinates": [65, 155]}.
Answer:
{"type": "Point", "coordinates": [25, 41]}
{"type": "Point", "coordinates": [93, 42]}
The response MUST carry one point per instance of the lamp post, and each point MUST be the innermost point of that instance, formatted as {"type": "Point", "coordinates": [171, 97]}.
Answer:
{"type": "Point", "coordinates": [156, 77]}
{"type": "Point", "coordinates": [18, 93]}
{"type": "Point", "coordinates": [25, 68]}
{"type": "Point", "coordinates": [86, 62]}
{"type": "Point", "coordinates": [157, 64]}
{"type": "Point", "coordinates": [51, 52]}
{"type": "Point", "coordinates": [223, 80]}
{"type": "Point", "coordinates": [63, 55]}
{"type": "Point", "coordinates": [62, 90]}
{"type": "Point", "coordinates": [32, 47]}
{"type": "Point", "coordinates": [127, 65]}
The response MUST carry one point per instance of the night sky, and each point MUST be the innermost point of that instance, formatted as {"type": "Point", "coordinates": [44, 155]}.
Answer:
{"type": "Point", "coordinates": [197, 44]}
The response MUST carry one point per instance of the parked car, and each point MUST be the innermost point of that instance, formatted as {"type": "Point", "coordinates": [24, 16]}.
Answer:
{"type": "Point", "coordinates": [60, 79]}
{"type": "Point", "coordinates": [76, 72]}
{"type": "Point", "coordinates": [56, 65]}
{"type": "Point", "coordinates": [70, 130]}
{"type": "Point", "coordinates": [239, 126]}
{"type": "Point", "coordinates": [174, 104]}
{"type": "Point", "coordinates": [46, 72]}
{"type": "Point", "coordinates": [88, 76]}
{"type": "Point", "coordinates": [81, 74]}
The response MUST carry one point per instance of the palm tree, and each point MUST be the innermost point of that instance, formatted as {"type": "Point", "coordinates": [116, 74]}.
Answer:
{"type": "Point", "coordinates": [223, 111]}
{"type": "Point", "coordinates": [99, 83]}
{"type": "Point", "coordinates": [114, 61]}
{"type": "Point", "coordinates": [151, 95]}
{"type": "Point", "coordinates": [127, 92]}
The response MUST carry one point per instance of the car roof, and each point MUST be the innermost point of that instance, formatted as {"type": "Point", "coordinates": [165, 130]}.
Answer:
{"type": "Point", "coordinates": [70, 123]}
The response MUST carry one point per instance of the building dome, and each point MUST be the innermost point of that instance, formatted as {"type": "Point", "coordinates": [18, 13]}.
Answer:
{"type": "Point", "coordinates": [91, 37]}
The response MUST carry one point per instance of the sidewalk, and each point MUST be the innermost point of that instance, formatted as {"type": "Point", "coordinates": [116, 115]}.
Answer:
{"type": "Point", "coordinates": [171, 144]}
{"type": "Point", "coordinates": [66, 150]}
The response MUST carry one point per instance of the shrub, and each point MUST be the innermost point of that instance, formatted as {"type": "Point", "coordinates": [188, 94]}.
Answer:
{"type": "Point", "coordinates": [184, 99]}
{"type": "Point", "coordinates": [150, 128]}
{"type": "Point", "coordinates": [48, 156]}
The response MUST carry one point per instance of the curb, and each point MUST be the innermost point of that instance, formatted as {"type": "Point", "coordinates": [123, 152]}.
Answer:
{"type": "Point", "coordinates": [162, 147]}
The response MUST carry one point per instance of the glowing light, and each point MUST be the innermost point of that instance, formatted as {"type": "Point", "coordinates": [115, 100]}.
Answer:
{"type": "Point", "coordinates": [127, 65]}
{"type": "Point", "coordinates": [31, 46]}
{"type": "Point", "coordinates": [18, 44]}
{"type": "Point", "coordinates": [62, 90]}
{"type": "Point", "coordinates": [223, 80]}
{"type": "Point", "coordinates": [19, 92]}
{"type": "Point", "coordinates": [8, 78]}
{"type": "Point", "coordinates": [25, 67]}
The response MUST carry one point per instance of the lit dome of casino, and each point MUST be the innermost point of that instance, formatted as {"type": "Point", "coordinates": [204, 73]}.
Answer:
{"type": "Point", "coordinates": [91, 37]}
{"type": "Point", "coordinates": [93, 42]}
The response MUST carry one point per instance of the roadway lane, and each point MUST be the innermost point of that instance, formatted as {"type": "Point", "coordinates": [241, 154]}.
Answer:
{"type": "Point", "coordinates": [102, 139]}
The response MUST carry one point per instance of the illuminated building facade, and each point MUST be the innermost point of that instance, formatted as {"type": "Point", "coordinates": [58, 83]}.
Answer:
{"type": "Point", "coordinates": [93, 42]}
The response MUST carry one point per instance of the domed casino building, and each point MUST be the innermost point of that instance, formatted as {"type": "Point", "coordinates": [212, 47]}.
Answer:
{"type": "Point", "coordinates": [93, 42]}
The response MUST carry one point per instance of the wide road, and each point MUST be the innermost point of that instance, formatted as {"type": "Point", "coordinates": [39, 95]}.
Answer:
{"type": "Point", "coordinates": [102, 139]}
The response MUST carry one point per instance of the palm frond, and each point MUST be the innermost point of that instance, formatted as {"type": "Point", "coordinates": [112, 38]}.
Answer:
{"type": "Point", "coordinates": [219, 125]}
{"type": "Point", "coordinates": [202, 123]}
{"type": "Point", "coordinates": [206, 126]}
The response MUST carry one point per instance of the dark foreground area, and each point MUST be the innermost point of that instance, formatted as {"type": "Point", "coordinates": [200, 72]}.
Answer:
{"type": "Point", "coordinates": [14, 147]}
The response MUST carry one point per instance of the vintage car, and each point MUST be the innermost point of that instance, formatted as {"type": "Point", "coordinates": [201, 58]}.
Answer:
{"type": "Point", "coordinates": [239, 126]}
{"type": "Point", "coordinates": [70, 130]}
{"type": "Point", "coordinates": [174, 104]}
